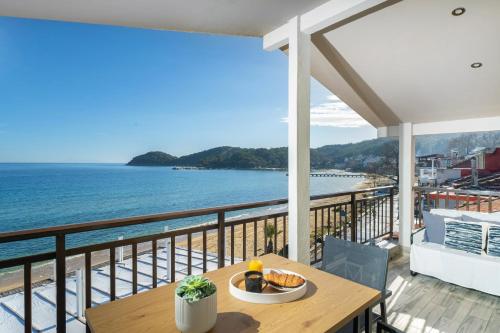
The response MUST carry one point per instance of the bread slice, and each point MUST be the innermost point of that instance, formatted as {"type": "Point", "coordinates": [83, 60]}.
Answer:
{"type": "Point", "coordinates": [284, 280]}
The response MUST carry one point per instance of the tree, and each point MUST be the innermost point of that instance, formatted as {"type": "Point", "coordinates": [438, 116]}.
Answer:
{"type": "Point", "coordinates": [464, 143]}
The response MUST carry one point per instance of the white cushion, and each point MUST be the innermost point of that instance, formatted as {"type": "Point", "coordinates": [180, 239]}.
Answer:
{"type": "Point", "coordinates": [451, 213]}
{"type": "Point", "coordinates": [434, 223]}
{"type": "Point", "coordinates": [493, 218]}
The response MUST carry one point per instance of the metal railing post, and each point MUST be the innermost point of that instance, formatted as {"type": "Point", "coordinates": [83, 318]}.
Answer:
{"type": "Point", "coordinates": [61, 283]}
{"type": "Point", "coordinates": [221, 239]}
{"type": "Point", "coordinates": [28, 313]}
{"type": "Point", "coordinates": [353, 218]}
{"type": "Point", "coordinates": [391, 213]}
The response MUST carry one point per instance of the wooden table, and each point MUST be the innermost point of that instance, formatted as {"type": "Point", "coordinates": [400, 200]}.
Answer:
{"type": "Point", "coordinates": [330, 303]}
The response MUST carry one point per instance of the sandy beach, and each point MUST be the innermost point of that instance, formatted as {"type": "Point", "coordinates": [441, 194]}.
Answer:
{"type": "Point", "coordinates": [197, 241]}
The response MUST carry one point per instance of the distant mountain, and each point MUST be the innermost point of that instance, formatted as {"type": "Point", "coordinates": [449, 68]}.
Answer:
{"type": "Point", "coordinates": [237, 158]}
{"type": "Point", "coordinates": [374, 156]}
{"type": "Point", "coordinates": [153, 158]}
{"type": "Point", "coordinates": [463, 143]}
{"type": "Point", "coordinates": [350, 156]}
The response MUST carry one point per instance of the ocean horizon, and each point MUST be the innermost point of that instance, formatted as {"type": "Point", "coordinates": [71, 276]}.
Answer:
{"type": "Point", "coordinates": [37, 195]}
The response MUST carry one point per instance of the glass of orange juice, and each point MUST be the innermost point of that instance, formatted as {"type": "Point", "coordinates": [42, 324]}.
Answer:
{"type": "Point", "coordinates": [255, 265]}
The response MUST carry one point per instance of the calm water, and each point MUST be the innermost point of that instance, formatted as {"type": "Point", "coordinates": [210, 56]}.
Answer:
{"type": "Point", "coordinates": [41, 195]}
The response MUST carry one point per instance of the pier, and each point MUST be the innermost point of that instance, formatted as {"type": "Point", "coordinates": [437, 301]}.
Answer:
{"type": "Point", "coordinates": [331, 174]}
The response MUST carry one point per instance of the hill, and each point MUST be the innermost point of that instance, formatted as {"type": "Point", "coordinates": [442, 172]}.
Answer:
{"type": "Point", "coordinates": [153, 158]}
{"type": "Point", "coordinates": [374, 156]}
{"type": "Point", "coordinates": [237, 158]}
{"type": "Point", "coordinates": [334, 156]}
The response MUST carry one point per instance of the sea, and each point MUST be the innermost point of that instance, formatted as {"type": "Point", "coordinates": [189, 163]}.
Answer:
{"type": "Point", "coordinates": [43, 195]}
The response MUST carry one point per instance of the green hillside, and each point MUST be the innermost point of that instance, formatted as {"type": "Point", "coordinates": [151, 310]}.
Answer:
{"type": "Point", "coordinates": [153, 158]}
{"type": "Point", "coordinates": [374, 156]}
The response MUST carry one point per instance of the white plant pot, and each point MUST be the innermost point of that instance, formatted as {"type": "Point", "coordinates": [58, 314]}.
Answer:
{"type": "Point", "coordinates": [197, 317]}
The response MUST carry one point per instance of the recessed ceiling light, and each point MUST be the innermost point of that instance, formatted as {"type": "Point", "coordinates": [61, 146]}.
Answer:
{"type": "Point", "coordinates": [476, 65]}
{"type": "Point", "coordinates": [458, 11]}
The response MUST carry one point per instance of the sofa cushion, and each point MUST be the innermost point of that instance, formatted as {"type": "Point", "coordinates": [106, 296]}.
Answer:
{"type": "Point", "coordinates": [493, 246]}
{"type": "Point", "coordinates": [451, 213]}
{"type": "Point", "coordinates": [465, 236]}
{"type": "Point", "coordinates": [492, 218]}
{"type": "Point", "coordinates": [434, 224]}
{"type": "Point", "coordinates": [434, 228]}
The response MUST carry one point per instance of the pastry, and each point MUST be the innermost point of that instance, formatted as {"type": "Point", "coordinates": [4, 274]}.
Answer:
{"type": "Point", "coordinates": [284, 280]}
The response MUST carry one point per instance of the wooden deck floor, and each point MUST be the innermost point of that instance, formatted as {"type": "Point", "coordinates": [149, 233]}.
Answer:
{"type": "Point", "coordinates": [424, 304]}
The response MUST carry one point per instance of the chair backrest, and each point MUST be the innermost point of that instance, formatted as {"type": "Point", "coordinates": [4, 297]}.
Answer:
{"type": "Point", "coordinates": [364, 264]}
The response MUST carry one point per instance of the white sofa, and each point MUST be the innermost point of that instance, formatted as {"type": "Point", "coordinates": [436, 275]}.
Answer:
{"type": "Point", "coordinates": [480, 272]}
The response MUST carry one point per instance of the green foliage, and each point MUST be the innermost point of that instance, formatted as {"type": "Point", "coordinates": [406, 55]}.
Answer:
{"type": "Point", "coordinates": [195, 287]}
{"type": "Point", "coordinates": [270, 231]}
{"type": "Point", "coordinates": [237, 158]}
{"type": "Point", "coordinates": [153, 158]}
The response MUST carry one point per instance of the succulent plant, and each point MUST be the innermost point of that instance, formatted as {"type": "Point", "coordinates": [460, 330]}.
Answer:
{"type": "Point", "coordinates": [194, 288]}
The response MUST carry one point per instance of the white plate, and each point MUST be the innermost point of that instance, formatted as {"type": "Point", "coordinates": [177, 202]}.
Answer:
{"type": "Point", "coordinates": [288, 295]}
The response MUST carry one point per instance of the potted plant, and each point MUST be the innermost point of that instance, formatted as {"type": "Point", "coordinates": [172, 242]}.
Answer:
{"type": "Point", "coordinates": [270, 231]}
{"type": "Point", "coordinates": [195, 304]}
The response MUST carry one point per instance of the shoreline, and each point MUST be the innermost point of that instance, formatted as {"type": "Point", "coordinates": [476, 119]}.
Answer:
{"type": "Point", "coordinates": [12, 281]}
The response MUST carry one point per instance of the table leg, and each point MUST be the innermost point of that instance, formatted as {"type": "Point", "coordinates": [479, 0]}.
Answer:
{"type": "Point", "coordinates": [368, 320]}
{"type": "Point", "coordinates": [355, 325]}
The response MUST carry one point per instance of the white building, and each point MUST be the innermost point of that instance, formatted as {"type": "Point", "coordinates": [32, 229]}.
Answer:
{"type": "Point", "coordinates": [437, 176]}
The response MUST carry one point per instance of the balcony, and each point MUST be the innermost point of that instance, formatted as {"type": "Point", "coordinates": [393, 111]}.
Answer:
{"type": "Point", "coordinates": [406, 67]}
{"type": "Point", "coordinates": [85, 278]}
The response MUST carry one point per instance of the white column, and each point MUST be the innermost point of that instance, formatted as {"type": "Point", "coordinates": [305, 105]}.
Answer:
{"type": "Point", "coordinates": [406, 182]}
{"type": "Point", "coordinates": [298, 142]}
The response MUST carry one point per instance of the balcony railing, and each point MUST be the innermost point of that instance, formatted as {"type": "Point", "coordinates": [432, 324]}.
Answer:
{"type": "Point", "coordinates": [427, 198]}
{"type": "Point", "coordinates": [358, 216]}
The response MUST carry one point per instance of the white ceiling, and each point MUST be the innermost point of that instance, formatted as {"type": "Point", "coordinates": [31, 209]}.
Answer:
{"type": "Point", "coordinates": [232, 17]}
{"type": "Point", "coordinates": [416, 57]}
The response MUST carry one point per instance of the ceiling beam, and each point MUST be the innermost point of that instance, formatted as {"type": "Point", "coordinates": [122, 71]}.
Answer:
{"type": "Point", "coordinates": [331, 13]}
{"type": "Point", "coordinates": [378, 5]}
{"type": "Point", "coordinates": [458, 126]}
{"type": "Point", "coordinates": [388, 132]}
{"type": "Point", "coordinates": [276, 39]}
{"type": "Point", "coordinates": [472, 125]}
{"type": "Point", "coordinates": [378, 107]}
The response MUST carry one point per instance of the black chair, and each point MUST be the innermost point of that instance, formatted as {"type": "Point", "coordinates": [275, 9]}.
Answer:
{"type": "Point", "coordinates": [364, 264]}
{"type": "Point", "coordinates": [386, 328]}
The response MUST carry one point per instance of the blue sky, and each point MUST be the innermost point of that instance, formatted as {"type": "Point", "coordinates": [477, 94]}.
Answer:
{"type": "Point", "coordinates": [89, 93]}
